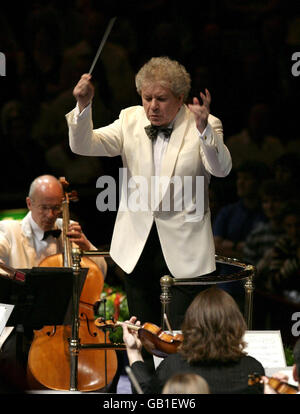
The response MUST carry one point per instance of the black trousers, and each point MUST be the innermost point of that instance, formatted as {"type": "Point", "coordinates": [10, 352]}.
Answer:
{"type": "Point", "coordinates": [143, 291]}
{"type": "Point", "coordinates": [143, 287]}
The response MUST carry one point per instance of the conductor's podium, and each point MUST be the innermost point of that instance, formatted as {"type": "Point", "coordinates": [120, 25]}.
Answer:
{"type": "Point", "coordinates": [236, 272]}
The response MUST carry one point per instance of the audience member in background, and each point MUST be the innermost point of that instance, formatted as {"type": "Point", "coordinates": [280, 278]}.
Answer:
{"type": "Point", "coordinates": [286, 169]}
{"type": "Point", "coordinates": [279, 269]}
{"type": "Point", "coordinates": [212, 347]}
{"type": "Point", "coordinates": [186, 384]}
{"type": "Point", "coordinates": [273, 198]}
{"type": "Point", "coordinates": [235, 221]}
{"type": "Point", "coordinates": [24, 157]}
{"type": "Point", "coordinates": [255, 141]}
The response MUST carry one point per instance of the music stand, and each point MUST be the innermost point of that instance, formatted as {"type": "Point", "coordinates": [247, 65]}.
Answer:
{"type": "Point", "coordinates": [43, 299]}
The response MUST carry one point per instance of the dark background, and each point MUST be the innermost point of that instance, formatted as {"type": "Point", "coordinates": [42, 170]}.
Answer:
{"type": "Point", "coordinates": [240, 50]}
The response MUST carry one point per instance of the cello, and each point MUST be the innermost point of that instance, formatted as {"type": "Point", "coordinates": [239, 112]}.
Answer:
{"type": "Point", "coordinates": [49, 354]}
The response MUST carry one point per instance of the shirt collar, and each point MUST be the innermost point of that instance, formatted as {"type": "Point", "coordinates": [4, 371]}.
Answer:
{"type": "Point", "coordinates": [37, 231]}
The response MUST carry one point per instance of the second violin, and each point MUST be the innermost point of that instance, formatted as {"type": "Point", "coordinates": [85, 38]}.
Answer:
{"type": "Point", "coordinates": [276, 384]}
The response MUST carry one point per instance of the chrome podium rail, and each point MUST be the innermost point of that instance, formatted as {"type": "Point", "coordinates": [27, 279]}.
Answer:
{"type": "Point", "coordinates": [246, 273]}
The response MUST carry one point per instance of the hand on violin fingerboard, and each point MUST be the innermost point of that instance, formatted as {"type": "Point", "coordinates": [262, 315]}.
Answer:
{"type": "Point", "coordinates": [132, 341]}
{"type": "Point", "coordinates": [270, 390]}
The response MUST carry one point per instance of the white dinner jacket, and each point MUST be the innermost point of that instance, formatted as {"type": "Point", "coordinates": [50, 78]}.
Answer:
{"type": "Point", "coordinates": [185, 236]}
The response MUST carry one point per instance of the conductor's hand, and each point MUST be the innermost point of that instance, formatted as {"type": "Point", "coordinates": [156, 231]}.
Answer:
{"type": "Point", "coordinates": [201, 112]}
{"type": "Point", "coordinates": [84, 91]}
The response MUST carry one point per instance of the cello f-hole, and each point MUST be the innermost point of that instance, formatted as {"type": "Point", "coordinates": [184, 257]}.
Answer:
{"type": "Point", "coordinates": [84, 316]}
{"type": "Point", "coordinates": [51, 333]}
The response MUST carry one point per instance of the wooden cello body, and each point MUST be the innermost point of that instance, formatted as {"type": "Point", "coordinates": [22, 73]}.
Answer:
{"type": "Point", "coordinates": [49, 354]}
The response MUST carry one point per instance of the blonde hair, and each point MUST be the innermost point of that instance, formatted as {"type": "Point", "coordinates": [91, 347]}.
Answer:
{"type": "Point", "coordinates": [169, 73]}
{"type": "Point", "coordinates": [186, 384]}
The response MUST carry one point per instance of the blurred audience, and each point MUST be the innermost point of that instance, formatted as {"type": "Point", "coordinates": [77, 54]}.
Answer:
{"type": "Point", "coordinates": [255, 141]}
{"type": "Point", "coordinates": [235, 221]}
{"type": "Point", "coordinates": [274, 196]}
{"type": "Point", "coordinates": [278, 271]}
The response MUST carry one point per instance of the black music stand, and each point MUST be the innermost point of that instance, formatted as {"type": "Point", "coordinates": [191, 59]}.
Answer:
{"type": "Point", "coordinates": [45, 298]}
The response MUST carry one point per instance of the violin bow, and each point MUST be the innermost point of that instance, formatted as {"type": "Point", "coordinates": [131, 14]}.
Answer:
{"type": "Point", "coordinates": [167, 323]}
{"type": "Point", "coordinates": [133, 380]}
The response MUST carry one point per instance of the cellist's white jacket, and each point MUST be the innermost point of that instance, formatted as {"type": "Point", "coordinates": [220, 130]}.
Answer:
{"type": "Point", "coordinates": [186, 235]}
{"type": "Point", "coordinates": [20, 247]}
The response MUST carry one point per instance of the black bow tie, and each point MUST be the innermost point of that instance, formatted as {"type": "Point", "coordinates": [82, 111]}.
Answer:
{"type": "Point", "coordinates": [55, 233]}
{"type": "Point", "coordinates": [153, 130]}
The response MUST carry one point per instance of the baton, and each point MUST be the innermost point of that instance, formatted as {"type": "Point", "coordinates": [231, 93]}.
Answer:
{"type": "Point", "coordinates": [105, 36]}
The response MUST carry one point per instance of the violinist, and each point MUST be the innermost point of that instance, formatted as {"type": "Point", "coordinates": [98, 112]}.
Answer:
{"type": "Point", "coordinates": [24, 244]}
{"type": "Point", "coordinates": [212, 347]}
{"type": "Point", "coordinates": [282, 378]}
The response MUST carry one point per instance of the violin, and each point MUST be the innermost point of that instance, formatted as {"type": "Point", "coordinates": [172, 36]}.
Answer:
{"type": "Point", "coordinates": [276, 384]}
{"type": "Point", "coordinates": [153, 338]}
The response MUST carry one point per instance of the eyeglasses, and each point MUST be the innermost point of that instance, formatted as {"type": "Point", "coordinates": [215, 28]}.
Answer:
{"type": "Point", "coordinates": [43, 208]}
{"type": "Point", "coordinates": [55, 209]}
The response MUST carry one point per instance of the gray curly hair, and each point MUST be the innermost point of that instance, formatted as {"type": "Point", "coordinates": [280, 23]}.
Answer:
{"type": "Point", "coordinates": [169, 73]}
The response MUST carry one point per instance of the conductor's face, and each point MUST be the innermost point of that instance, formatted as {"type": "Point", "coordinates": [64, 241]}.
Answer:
{"type": "Point", "coordinates": [160, 104]}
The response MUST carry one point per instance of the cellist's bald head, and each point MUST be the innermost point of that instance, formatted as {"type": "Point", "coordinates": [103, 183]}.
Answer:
{"type": "Point", "coordinates": [44, 184]}
{"type": "Point", "coordinates": [44, 200]}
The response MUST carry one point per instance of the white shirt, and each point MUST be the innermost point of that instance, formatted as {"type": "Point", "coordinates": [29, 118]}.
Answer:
{"type": "Point", "coordinates": [42, 247]}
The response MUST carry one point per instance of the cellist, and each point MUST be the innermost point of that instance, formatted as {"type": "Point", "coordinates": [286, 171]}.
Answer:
{"type": "Point", "coordinates": [23, 244]}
